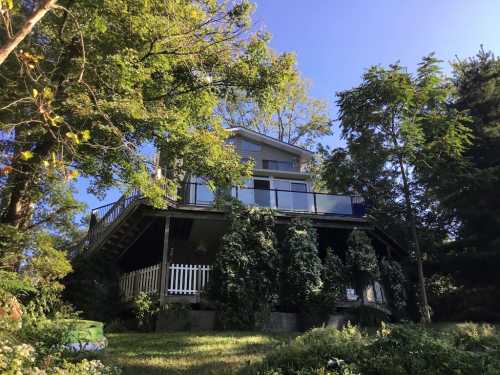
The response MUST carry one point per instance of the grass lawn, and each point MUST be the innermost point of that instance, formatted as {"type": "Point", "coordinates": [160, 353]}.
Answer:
{"type": "Point", "coordinates": [187, 352]}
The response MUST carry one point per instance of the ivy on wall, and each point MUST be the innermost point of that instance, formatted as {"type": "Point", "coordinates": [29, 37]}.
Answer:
{"type": "Point", "coordinates": [244, 279]}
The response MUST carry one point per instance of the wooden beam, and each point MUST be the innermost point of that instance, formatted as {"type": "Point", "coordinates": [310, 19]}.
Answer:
{"type": "Point", "coordinates": [165, 263]}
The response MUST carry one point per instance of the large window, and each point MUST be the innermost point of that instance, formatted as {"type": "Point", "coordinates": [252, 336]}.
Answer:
{"type": "Point", "coordinates": [277, 165]}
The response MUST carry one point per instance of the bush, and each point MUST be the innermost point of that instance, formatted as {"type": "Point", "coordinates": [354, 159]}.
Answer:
{"type": "Point", "coordinates": [314, 352]}
{"type": "Point", "coordinates": [300, 266]}
{"type": "Point", "coordinates": [22, 359]}
{"type": "Point", "coordinates": [145, 311]}
{"type": "Point", "coordinates": [361, 260]}
{"type": "Point", "coordinates": [334, 279]}
{"type": "Point", "coordinates": [395, 350]}
{"type": "Point", "coordinates": [395, 285]}
{"type": "Point", "coordinates": [243, 281]}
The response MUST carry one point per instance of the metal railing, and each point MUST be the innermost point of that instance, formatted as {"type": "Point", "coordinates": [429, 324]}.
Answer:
{"type": "Point", "coordinates": [201, 195]}
{"type": "Point", "coordinates": [285, 200]}
{"type": "Point", "coordinates": [102, 217]}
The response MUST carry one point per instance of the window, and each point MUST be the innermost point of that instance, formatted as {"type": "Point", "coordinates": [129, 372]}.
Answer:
{"type": "Point", "coordinates": [277, 165]}
{"type": "Point", "coordinates": [249, 146]}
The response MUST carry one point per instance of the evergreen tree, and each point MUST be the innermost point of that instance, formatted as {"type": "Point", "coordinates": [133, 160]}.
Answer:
{"type": "Point", "coordinates": [244, 278]}
{"type": "Point", "coordinates": [334, 278]}
{"type": "Point", "coordinates": [300, 265]}
{"type": "Point", "coordinates": [468, 188]}
{"type": "Point", "coordinates": [361, 260]}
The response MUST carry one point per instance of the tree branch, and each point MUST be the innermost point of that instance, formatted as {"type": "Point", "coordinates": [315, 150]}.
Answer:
{"type": "Point", "coordinates": [23, 32]}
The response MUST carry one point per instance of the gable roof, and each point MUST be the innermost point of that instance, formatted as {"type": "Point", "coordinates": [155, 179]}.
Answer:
{"type": "Point", "coordinates": [262, 138]}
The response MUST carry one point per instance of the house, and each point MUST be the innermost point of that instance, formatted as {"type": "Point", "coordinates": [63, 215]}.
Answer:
{"type": "Point", "coordinates": [170, 251]}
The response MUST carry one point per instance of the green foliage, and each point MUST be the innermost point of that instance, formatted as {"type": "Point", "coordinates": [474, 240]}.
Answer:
{"type": "Point", "coordinates": [111, 79]}
{"type": "Point", "coordinates": [18, 358]}
{"type": "Point", "coordinates": [397, 124]}
{"type": "Point", "coordinates": [334, 278]}
{"type": "Point", "coordinates": [415, 350]}
{"type": "Point", "coordinates": [145, 311]}
{"type": "Point", "coordinates": [244, 281]}
{"type": "Point", "coordinates": [475, 205]}
{"type": "Point", "coordinates": [394, 280]}
{"type": "Point", "coordinates": [395, 350]}
{"type": "Point", "coordinates": [311, 352]}
{"type": "Point", "coordinates": [93, 287]}
{"type": "Point", "coordinates": [300, 265]}
{"type": "Point", "coordinates": [361, 260]}
{"type": "Point", "coordinates": [285, 110]}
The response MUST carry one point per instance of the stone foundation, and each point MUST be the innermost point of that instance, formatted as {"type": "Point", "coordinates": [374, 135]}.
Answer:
{"type": "Point", "coordinates": [206, 320]}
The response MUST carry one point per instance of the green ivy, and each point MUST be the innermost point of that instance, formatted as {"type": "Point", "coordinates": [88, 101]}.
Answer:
{"type": "Point", "coordinates": [300, 265]}
{"type": "Point", "coordinates": [244, 279]}
{"type": "Point", "coordinates": [361, 260]}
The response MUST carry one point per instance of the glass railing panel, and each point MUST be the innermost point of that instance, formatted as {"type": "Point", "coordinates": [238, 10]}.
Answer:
{"type": "Point", "coordinates": [246, 196]}
{"type": "Point", "coordinates": [255, 197]}
{"type": "Point", "coordinates": [333, 204]}
{"type": "Point", "coordinates": [295, 201]}
{"type": "Point", "coordinates": [204, 195]}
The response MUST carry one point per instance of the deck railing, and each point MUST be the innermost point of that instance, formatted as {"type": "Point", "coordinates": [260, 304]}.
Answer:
{"type": "Point", "coordinates": [184, 279]}
{"type": "Point", "coordinates": [191, 279]}
{"type": "Point", "coordinates": [102, 217]}
{"type": "Point", "coordinates": [284, 200]}
{"type": "Point", "coordinates": [141, 280]}
{"type": "Point", "coordinates": [200, 195]}
{"type": "Point", "coordinates": [188, 278]}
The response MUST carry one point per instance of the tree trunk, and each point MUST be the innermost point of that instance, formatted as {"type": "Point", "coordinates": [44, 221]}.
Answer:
{"type": "Point", "coordinates": [25, 29]}
{"type": "Point", "coordinates": [426, 316]}
{"type": "Point", "coordinates": [21, 182]}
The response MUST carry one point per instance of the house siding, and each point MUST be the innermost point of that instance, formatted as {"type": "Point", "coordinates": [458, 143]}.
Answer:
{"type": "Point", "coordinates": [266, 153]}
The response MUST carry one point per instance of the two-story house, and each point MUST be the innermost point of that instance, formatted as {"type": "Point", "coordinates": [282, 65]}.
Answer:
{"type": "Point", "coordinates": [170, 251]}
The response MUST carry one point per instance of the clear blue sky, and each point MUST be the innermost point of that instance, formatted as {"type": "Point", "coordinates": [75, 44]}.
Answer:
{"type": "Point", "coordinates": [336, 40]}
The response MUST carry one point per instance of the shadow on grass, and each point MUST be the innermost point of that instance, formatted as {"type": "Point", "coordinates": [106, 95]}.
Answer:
{"type": "Point", "coordinates": [188, 353]}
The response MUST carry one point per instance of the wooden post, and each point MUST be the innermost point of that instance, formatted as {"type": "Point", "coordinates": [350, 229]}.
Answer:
{"type": "Point", "coordinates": [165, 263]}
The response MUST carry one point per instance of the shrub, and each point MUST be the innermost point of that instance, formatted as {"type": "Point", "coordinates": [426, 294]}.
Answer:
{"type": "Point", "coordinates": [395, 350]}
{"type": "Point", "coordinates": [145, 311]}
{"type": "Point", "coordinates": [394, 281]}
{"type": "Point", "coordinates": [361, 260]}
{"type": "Point", "coordinates": [243, 282]}
{"type": "Point", "coordinates": [22, 359]}
{"type": "Point", "coordinates": [476, 337]}
{"type": "Point", "coordinates": [334, 279]}
{"type": "Point", "coordinates": [412, 350]}
{"type": "Point", "coordinates": [300, 266]}
{"type": "Point", "coordinates": [314, 352]}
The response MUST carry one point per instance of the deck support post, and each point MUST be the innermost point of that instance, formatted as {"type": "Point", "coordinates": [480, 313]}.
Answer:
{"type": "Point", "coordinates": [165, 263]}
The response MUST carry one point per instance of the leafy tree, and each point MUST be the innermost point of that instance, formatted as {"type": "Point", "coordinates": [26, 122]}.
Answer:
{"type": "Point", "coordinates": [8, 11]}
{"type": "Point", "coordinates": [399, 122]}
{"type": "Point", "coordinates": [361, 260]}
{"type": "Point", "coordinates": [244, 280]}
{"type": "Point", "coordinates": [109, 79]}
{"type": "Point", "coordinates": [468, 188]}
{"type": "Point", "coordinates": [285, 111]}
{"type": "Point", "coordinates": [300, 265]}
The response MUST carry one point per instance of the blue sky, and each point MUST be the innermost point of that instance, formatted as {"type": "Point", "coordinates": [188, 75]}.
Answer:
{"type": "Point", "coordinates": [336, 40]}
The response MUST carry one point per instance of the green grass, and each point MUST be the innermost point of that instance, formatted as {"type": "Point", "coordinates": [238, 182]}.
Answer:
{"type": "Point", "coordinates": [188, 353]}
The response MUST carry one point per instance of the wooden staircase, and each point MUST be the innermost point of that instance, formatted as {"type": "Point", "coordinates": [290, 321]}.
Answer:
{"type": "Point", "coordinates": [116, 225]}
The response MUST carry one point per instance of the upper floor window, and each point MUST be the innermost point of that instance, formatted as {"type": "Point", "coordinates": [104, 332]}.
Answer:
{"type": "Point", "coordinates": [288, 165]}
{"type": "Point", "coordinates": [250, 146]}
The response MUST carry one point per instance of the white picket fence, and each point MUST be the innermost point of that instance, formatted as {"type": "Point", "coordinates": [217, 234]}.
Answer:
{"type": "Point", "coordinates": [188, 278]}
{"type": "Point", "coordinates": [184, 279]}
{"type": "Point", "coordinates": [143, 280]}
